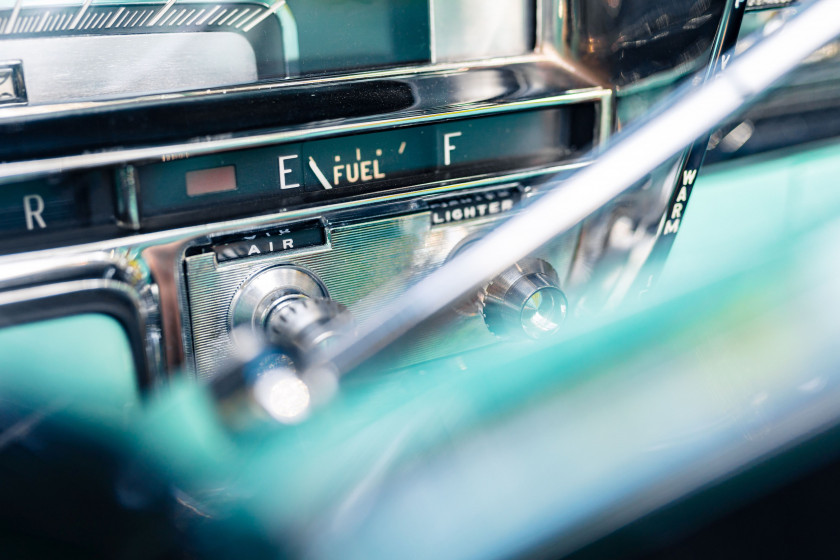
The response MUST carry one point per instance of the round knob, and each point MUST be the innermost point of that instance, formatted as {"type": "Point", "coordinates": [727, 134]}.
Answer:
{"type": "Point", "coordinates": [290, 308]}
{"type": "Point", "coordinates": [303, 325]}
{"type": "Point", "coordinates": [525, 300]}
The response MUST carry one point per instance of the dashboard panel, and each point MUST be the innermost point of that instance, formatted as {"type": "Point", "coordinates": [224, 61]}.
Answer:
{"type": "Point", "coordinates": [242, 187]}
{"type": "Point", "coordinates": [391, 125]}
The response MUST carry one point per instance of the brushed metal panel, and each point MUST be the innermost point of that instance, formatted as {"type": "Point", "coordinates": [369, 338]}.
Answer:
{"type": "Point", "coordinates": [364, 266]}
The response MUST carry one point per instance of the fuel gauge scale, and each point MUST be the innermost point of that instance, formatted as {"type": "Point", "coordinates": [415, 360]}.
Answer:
{"type": "Point", "coordinates": [315, 171]}
{"type": "Point", "coordinates": [446, 150]}
{"type": "Point", "coordinates": [369, 159]}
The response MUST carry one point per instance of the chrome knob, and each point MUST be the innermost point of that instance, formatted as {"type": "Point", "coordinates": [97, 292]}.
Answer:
{"type": "Point", "coordinates": [303, 325]}
{"type": "Point", "coordinates": [290, 308]}
{"type": "Point", "coordinates": [525, 300]}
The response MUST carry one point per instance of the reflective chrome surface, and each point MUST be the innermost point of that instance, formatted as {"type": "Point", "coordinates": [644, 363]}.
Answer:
{"type": "Point", "coordinates": [185, 337]}
{"type": "Point", "coordinates": [258, 296]}
{"type": "Point", "coordinates": [192, 309]}
{"type": "Point", "coordinates": [635, 152]}
{"type": "Point", "coordinates": [525, 300]}
{"type": "Point", "coordinates": [429, 96]}
{"type": "Point", "coordinates": [628, 41]}
{"type": "Point", "coordinates": [363, 265]}
{"type": "Point", "coordinates": [98, 282]}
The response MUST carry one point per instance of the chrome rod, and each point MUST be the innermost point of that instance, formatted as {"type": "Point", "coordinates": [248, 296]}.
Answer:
{"type": "Point", "coordinates": [683, 117]}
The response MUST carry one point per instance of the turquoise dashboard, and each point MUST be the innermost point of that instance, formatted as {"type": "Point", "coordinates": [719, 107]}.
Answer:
{"type": "Point", "coordinates": [384, 279]}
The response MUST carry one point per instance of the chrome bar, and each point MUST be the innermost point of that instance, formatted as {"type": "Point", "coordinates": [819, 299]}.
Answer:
{"type": "Point", "coordinates": [682, 118]}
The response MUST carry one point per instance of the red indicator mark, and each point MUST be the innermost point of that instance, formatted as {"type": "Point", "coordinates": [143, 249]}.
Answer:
{"type": "Point", "coordinates": [206, 181]}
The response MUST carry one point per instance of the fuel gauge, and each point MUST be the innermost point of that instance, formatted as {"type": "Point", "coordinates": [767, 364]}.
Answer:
{"type": "Point", "coordinates": [370, 159]}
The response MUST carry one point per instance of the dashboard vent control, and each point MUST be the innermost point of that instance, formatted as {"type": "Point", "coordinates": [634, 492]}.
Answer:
{"type": "Point", "coordinates": [525, 300]}
{"type": "Point", "coordinates": [290, 308]}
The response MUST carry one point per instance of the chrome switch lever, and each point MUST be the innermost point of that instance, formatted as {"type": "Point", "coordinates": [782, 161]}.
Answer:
{"type": "Point", "coordinates": [290, 308]}
{"type": "Point", "coordinates": [303, 325]}
{"type": "Point", "coordinates": [525, 300]}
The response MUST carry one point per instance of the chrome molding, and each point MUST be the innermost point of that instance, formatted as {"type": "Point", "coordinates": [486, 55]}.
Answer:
{"type": "Point", "coordinates": [397, 72]}
{"type": "Point", "coordinates": [621, 253]}
{"type": "Point", "coordinates": [27, 169]}
{"type": "Point", "coordinates": [362, 264]}
{"type": "Point", "coordinates": [756, 5]}
{"type": "Point", "coordinates": [128, 207]}
{"type": "Point", "coordinates": [161, 254]}
{"type": "Point", "coordinates": [95, 283]}
{"type": "Point", "coordinates": [139, 241]}
{"type": "Point", "coordinates": [129, 202]}
{"type": "Point", "coordinates": [157, 257]}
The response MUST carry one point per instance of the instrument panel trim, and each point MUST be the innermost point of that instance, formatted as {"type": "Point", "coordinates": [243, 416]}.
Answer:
{"type": "Point", "coordinates": [33, 168]}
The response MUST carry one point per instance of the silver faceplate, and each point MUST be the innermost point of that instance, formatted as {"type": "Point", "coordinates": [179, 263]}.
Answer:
{"type": "Point", "coordinates": [362, 266]}
{"type": "Point", "coordinates": [157, 259]}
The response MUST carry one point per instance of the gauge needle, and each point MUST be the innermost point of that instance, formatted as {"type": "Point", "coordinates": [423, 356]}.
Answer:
{"type": "Point", "coordinates": [321, 178]}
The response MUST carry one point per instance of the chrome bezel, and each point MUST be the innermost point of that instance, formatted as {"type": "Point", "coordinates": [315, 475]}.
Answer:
{"type": "Point", "coordinates": [159, 254]}
{"type": "Point", "coordinates": [19, 170]}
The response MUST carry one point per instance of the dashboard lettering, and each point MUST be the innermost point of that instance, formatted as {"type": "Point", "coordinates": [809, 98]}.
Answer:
{"type": "Point", "coordinates": [473, 206]}
{"type": "Point", "coordinates": [268, 242]}
{"type": "Point", "coordinates": [359, 170]}
{"type": "Point", "coordinates": [448, 147]}
{"type": "Point", "coordinates": [33, 207]}
{"type": "Point", "coordinates": [285, 171]}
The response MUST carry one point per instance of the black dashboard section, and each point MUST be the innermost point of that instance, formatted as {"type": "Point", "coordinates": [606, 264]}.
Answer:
{"type": "Point", "coordinates": [326, 170]}
{"type": "Point", "coordinates": [631, 41]}
{"type": "Point", "coordinates": [57, 210]}
{"type": "Point", "coordinates": [150, 122]}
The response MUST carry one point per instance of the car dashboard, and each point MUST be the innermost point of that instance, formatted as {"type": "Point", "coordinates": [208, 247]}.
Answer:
{"type": "Point", "coordinates": [223, 217]}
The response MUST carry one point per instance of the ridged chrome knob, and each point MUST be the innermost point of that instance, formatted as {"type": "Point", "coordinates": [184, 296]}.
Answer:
{"type": "Point", "coordinates": [290, 308]}
{"type": "Point", "coordinates": [525, 300]}
{"type": "Point", "coordinates": [304, 325]}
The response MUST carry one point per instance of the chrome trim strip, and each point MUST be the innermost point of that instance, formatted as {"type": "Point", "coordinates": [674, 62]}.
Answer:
{"type": "Point", "coordinates": [132, 308]}
{"type": "Point", "coordinates": [157, 256]}
{"type": "Point", "coordinates": [407, 71]}
{"type": "Point", "coordinates": [256, 222]}
{"type": "Point", "coordinates": [27, 169]}
{"type": "Point", "coordinates": [757, 5]}
{"type": "Point", "coordinates": [682, 118]}
{"type": "Point", "coordinates": [61, 267]}
{"type": "Point", "coordinates": [128, 201]}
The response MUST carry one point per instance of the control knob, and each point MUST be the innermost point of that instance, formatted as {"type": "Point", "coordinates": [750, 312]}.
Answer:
{"type": "Point", "coordinates": [290, 308]}
{"type": "Point", "coordinates": [525, 300]}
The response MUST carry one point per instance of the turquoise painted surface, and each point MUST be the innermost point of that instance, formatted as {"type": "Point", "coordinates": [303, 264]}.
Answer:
{"type": "Point", "coordinates": [738, 209]}
{"type": "Point", "coordinates": [505, 446]}
{"type": "Point", "coordinates": [85, 358]}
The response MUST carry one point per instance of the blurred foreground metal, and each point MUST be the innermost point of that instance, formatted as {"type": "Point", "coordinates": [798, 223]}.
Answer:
{"type": "Point", "coordinates": [673, 125]}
